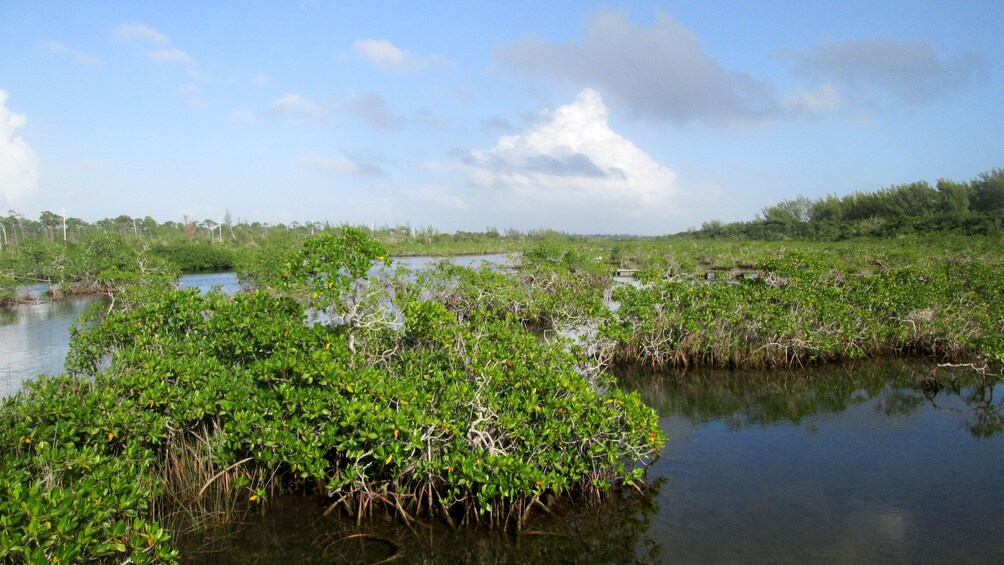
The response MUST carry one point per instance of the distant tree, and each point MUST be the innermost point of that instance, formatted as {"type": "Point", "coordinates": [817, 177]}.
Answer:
{"type": "Point", "coordinates": [911, 200]}
{"type": "Point", "coordinates": [830, 209]}
{"type": "Point", "coordinates": [988, 191]}
{"type": "Point", "coordinates": [954, 198]}
{"type": "Point", "coordinates": [788, 211]}
{"type": "Point", "coordinates": [51, 223]}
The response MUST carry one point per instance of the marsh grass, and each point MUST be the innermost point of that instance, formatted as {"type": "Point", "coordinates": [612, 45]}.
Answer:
{"type": "Point", "coordinates": [199, 493]}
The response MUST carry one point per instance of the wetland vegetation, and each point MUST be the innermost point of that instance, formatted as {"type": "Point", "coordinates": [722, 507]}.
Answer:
{"type": "Point", "coordinates": [467, 396]}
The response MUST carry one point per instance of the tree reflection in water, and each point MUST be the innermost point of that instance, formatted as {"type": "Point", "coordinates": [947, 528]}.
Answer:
{"type": "Point", "coordinates": [975, 387]}
{"type": "Point", "coordinates": [295, 530]}
{"type": "Point", "coordinates": [897, 387]}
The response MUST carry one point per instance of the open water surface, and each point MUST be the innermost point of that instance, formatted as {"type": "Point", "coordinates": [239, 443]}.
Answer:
{"type": "Point", "coordinates": [35, 338]}
{"type": "Point", "coordinates": [849, 464]}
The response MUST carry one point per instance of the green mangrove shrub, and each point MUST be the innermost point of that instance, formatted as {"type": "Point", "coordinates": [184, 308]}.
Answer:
{"type": "Point", "coordinates": [472, 419]}
{"type": "Point", "coordinates": [808, 308]}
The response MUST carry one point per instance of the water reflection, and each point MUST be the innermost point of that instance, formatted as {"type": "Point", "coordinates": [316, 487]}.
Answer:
{"type": "Point", "coordinates": [225, 281]}
{"type": "Point", "coordinates": [294, 530]}
{"type": "Point", "coordinates": [835, 464]}
{"type": "Point", "coordinates": [892, 387]}
{"type": "Point", "coordinates": [34, 339]}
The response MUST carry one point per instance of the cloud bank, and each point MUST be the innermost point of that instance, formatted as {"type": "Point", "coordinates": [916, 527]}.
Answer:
{"type": "Point", "coordinates": [909, 71]}
{"type": "Point", "coordinates": [572, 166]}
{"type": "Point", "coordinates": [659, 72]}
{"type": "Point", "coordinates": [18, 163]}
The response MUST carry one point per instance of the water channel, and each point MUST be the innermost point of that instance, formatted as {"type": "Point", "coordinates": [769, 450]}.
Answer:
{"type": "Point", "coordinates": [870, 462]}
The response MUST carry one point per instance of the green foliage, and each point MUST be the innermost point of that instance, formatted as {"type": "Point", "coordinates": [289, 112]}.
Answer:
{"type": "Point", "coordinates": [8, 290]}
{"type": "Point", "coordinates": [808, 307]}
{"type": "Point", "coordinates": [329, 265]}
{"type": "Point", "coordinates": [975, 207]}
{"type": "Point", "coordinates": [100, 263]}
{"type": "Point", "coordinates": [196, 257]}
{"type": "Point", "coordinates": [74, 477]}
{"type": "Point", "coordinates": [553, 286]}
{"type": "Point", "coordinates": [471, 417]}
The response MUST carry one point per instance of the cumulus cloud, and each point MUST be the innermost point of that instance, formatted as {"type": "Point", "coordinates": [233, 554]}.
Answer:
{"type": "Point", "coordinates": [388, 58]}
{"type": "Point", "coordinates": [658, 72]}
{"type": "Point", "coordinates": [571, 162]}
{"type": "Point", "coordinates": [339, 165]}
{"type": "Point", "coordinates": [56, 48]}
{"type": "Point", "coordinates": [18, 163]}
{"type": "Point", "coordinates": [910, 71]}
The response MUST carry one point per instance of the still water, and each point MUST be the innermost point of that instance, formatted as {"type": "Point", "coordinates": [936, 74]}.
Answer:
{"type": "Point", "coordinates": [35, 338]}
{"type": "Point", "coordinates": [847, 464]}
{"type": "Point", "coordinates": [850, 464]}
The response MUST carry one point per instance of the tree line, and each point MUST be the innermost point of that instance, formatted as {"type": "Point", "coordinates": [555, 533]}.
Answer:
{"type": "Point", "coordinates": [973, 207]}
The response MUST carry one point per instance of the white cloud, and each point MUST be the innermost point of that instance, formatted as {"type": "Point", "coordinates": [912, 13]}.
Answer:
{"type": "Point", "coordinates": [296, 106]}
{"type": "Point", "coordinates": [391, 59]}
{"type": "Point", "coordinates": [340, 165]}
{"type": "Point", "coordinates": [139, 32]}
{"type": "Point", "coordinates": [18, 163]}
{"type": "Point", "coordinates": [158, 47]}
{"type": "Point", "coordinates": [571, 168]}
{"type": "Point", "coordinates": [169, 55]}
{"type": "Point", "coordinates": [54, 47]}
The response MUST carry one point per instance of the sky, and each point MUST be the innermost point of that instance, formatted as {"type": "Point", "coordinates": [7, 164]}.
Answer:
{"type": "Point", "coordinates": [640, 118]}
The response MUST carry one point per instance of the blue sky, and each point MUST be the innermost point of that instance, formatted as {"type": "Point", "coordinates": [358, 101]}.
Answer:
{"type": "Point", "coordinates": [627, 117]}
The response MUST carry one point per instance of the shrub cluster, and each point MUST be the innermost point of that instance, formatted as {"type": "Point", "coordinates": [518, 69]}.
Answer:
{"type": "Point", "coordinates": [316, 386]}
{"type": "Point", "coordinates": [801, 307]}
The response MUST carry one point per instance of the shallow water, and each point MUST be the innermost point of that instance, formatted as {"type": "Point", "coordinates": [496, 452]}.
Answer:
{"type": "Point", "coordinates": [35, 338]}
{"type": "Point", "coordinates": [224, 281]}
{"type": "Point", "coordinates": [856, 466]}
{"type": "Point", "coordinates": [840, 465]}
